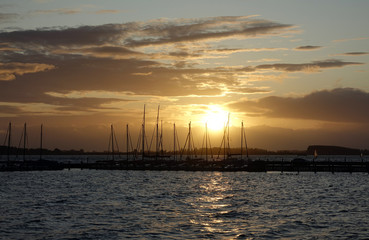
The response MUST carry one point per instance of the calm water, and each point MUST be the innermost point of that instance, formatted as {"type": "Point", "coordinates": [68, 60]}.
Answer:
{"type": "Point", "coordinates": [98, 204]}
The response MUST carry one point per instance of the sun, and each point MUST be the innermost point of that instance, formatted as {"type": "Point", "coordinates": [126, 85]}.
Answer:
{"type": "Point", "coordinates": [215, 117]}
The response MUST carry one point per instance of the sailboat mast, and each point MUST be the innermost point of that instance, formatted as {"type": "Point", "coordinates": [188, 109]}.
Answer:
{"type": "Point", "coordinates": [157, 135]}
{"type": "Point", "coordinates": [143, 135]}
{"type": "Point", "coordinates": [9, 139]}
{"type": "Point", "coordinates": [41, 143]}
{"type": "Point", "coordinates": [174, 141]}
{"type": "Point", "coordinates": [241, 137]}
{"type": "Point", "coordinates": [112, 141]}
{"type": "Point", "coordinates": [24, 141]}
{"type": "Point", "coordinates": [161, 137]}
{"type": "Point", "coordinates": [228, 146]}
{"type": "Point", "coordinates": [206, 141]}
{"type": "Point", "coordinates": [189, 139]}
{"type": "Point", "coordinates": [224, 142]}
{"type": "Point", "coordinates": [127, 136]}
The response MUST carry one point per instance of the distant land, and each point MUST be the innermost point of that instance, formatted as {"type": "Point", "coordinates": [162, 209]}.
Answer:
{"type": "Point", "coordinates": [320, 150]}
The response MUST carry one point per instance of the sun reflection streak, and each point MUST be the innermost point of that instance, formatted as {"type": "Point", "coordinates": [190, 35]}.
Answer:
{"type": "Point", "coordinates": [214, 204]}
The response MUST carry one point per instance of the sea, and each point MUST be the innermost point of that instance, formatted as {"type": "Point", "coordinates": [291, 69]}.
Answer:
{"type": "Point", "coordinates": [116, 204]}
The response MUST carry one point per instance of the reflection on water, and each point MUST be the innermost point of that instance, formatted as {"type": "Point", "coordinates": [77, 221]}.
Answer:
{"type": "Point", "coordinates": [89, 204]}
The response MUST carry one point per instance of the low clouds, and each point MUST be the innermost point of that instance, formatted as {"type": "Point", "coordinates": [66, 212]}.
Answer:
{"type": "Point", "coordinates": [8, 17]}
{"type": "Point", "coordinates": [8, 71]}
{"type": "Point", "coordinates": [355, 53]}
{"type": "Point", "coordinates": [308, 48]}
{"type": "Point", "coordinates": [58, 11]}
{"type": "Point", "coordinates": [157, 32]}
{"type": "Point", "coordinates": [337, 105]}
{"type": "Point", "coordinates": [315, 66]}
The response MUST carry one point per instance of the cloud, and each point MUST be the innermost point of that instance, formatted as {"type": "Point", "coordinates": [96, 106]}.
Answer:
{"type": "Point", "coordinates": [8, 17]}
{"type": "Point", "coordinates": [308, 48]}
{"type": "Point", "coordinates": [350, 39]}
{"type": "Point", "coordinates": [8, 71]}
{"type": "Point", "coordinates": [355, 53]}
{"type": "Point", "coordinates": [139, 34]}
{"type": "Point", "coordinates": [205, 29]}
{"type": "Point", "coordinates": [62, 11]}
{"type": "Point", "coordinates": [107, 11]}
{"type": "Point", "coordinates": [114, 52]}
{"type": "Point", "coordinates": [315, 66]}
{"type": "Point", "coordinates": [7, 109]}
{"type": "Point", "coordinates": [337, 105]}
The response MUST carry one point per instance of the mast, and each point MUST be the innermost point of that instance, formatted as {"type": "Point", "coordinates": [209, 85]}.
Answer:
{"type": "Point", "coordinates": [243, 137]}
{"type": "Point", "coordinates": [143, 135]}
{"type": "Point", "coordinates": [157, 135]}
{"type": "Point", "coordinates": [224, 142]}
{"type": "Point", "coordinates": [112, 141]}
{"type": "Point", "coordinates": [9, 139]}
{"type": "Point", "coordinates": [174, 141]}
{"type": "Point", "coordinates": [228, 146]}
{"type": "Point", "coordinates": [206, 141]}
{"type": "Point", "coordinates": [247, 149]}
{"type": "Point", "coordinates": [41, 143]}
{"type": "Point", "coordinates": [24, 141]}
{"type": "Point", "coordinates": [189, 139]}
{"type": "Point", "coordinates": [127, 142]}
{"type": "Point", "coordinates": [161, 137]}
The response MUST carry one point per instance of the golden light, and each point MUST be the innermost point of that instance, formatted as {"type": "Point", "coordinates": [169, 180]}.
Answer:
{"type": "Point", "coordinates": [215, 117]}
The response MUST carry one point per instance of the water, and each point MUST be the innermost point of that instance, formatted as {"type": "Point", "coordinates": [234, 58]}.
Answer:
{"type": "Point", "coordinates": [102, 204]}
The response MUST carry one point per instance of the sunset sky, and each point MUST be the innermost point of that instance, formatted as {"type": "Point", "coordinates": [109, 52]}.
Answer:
{"type": "Point", "coordinates": [294, 71]}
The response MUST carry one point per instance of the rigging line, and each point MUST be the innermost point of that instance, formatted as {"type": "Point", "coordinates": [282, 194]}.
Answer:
{"type": "Point", "coordinates": [184, 147]}
{"type": "Point", "coordinates": [179, 146]}
{"type": "Point", "coordinates": [193, 145]}
{"type": "Point", "coordinates": [20, 141]}
{"type": "Point", "coordinates": [211, 151]}
{"type": "Point", "coordinates": [116, 143]}
{"type": "Point", "coordinates": [221, 144]}
{"type": "Point", "coordinates": [202, 146]}
{"type": "Point", "coordinates": [247, 150]}
{"type": "Point", "coordinates": [109, 146]}
{"type": "Point", "coordinates": [130, 140]}
{"type": "Point", "coordinates": [152, 138]}
{"type": "Point", "coordinates": [139, 141]}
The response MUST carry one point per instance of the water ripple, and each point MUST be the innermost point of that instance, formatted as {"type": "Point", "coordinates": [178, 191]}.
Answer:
{"type": "Point", "coordinates": [89, 204]}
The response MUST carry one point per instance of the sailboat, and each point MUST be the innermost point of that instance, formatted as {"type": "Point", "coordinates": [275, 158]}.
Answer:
{"type": "Point", "coordinates": [29, 165]}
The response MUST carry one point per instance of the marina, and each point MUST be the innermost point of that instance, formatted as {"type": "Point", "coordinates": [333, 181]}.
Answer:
{"type": "Point", "coordinates": [185, 158]}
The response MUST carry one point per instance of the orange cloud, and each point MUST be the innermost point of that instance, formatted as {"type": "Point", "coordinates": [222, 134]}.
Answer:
{"type": "Point", "coordinates": [8, 71]}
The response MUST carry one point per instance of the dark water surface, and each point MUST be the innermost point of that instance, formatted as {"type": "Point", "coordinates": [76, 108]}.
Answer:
{"type": "Point", "coordinates": [93, 204]}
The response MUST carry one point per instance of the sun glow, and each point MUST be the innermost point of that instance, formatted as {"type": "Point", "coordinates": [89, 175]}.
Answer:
{"type": "Point", "coordinates": [215, 117]}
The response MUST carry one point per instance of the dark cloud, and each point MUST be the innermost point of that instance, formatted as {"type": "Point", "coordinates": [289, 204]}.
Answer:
{"type": "Point", "coordinates": [51, 39]}
{"type": "Point", "coordinates": [308, 48]}
{"type": "Point", "coordinates": [355, 53]}
{"type": "Point", "coordinates": [337, 105]}
{"type": "Point", "coordinates": [157, 33]}
{"type": "Point", "coordinates": [136, 34]}
{"type": "Point", "coordinates": [301, 67]}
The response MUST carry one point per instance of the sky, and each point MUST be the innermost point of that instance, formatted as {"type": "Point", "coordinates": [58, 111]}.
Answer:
{"type": "Point", "coordinates": [294, 72]}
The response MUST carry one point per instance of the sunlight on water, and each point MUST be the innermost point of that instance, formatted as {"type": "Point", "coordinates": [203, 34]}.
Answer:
{"type": "Point", "coordinates": [90, 204]}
